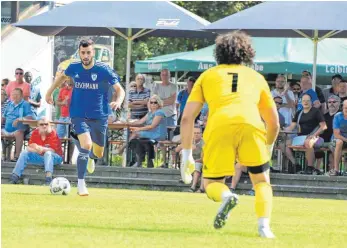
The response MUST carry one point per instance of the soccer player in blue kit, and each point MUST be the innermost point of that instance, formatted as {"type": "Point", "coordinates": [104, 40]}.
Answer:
{"type": "Point", "coordinates": [89, 107]}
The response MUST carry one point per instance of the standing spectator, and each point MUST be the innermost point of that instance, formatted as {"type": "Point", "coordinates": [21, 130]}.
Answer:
{"type": "Point", "coordinates": [35, 95]}
{"type": "Point", "coordinates": [63, 102]}
{"type": "Point", "coordinates": [306, 87]}
{"type": "Point", "coordinates": [167, 91]}
{"type": "Point", "coordinates": [4, 83]}
{"type": "Point", "coordinates": [44, 149]}
{"type": "Point", "coordinates": [288, 100]}
{"type": "Point", "coordinates": [19, 83]}
{"type": "Point", "coordinates": [296, 88]}
{"type": "Point", "coordinates": [334, 89]}
{"type": "Point", "coordinates": [183, 96]}
{"type": "Point", "coordinates": [55, 96]}
{"type": "Point", "coordinates": [138, 98]}
{"type": "Point", "coordinates": [279, 101]}
{"type": "Point", "coordinates": [318, 91]}
{"type": "Point", "coordinates": [340, 136]}
{"type": "Point", "coordinates": [342, 91]}
{"type": "Point", "coordinates": [16, 110]}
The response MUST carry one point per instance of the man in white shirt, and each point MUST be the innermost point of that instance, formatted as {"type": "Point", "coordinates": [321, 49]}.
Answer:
{"type": "Point", "coordinates": [282, 90]}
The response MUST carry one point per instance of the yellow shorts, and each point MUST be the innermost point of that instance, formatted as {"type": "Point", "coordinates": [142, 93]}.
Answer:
{"type": "Point", "coordinates": [222, 146]}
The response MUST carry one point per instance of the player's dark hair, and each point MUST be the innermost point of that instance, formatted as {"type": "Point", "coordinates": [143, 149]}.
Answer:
{"type": "Point", "coordinates": [19, 90]}
{"type": "Point", "coordinates": [191, 79]}
{"type": "Point", "coordinates": [19, 69]}
{"type": "Point", "coordinates": [234, 48]}
{"type": "Point", "coordinates": [306, 95]}
{"type": "Point", "coordinates": [278, 97]}
{"type": "Point", "coordinates": [85, 43]}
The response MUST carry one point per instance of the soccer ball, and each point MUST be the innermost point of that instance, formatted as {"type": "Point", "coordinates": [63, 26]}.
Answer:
{"type": "Point", "coordinates": [60, 186]}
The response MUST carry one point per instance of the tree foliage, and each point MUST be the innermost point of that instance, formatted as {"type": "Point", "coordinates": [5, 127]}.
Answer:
{"type": "Point", "coordinates": [155, 46]}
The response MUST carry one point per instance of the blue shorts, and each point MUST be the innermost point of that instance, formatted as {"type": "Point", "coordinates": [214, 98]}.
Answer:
{"type": "Point", "coordinates": [96, 127]}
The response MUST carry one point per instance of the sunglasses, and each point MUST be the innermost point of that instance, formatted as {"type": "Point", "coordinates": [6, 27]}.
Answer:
{"type": "Point", "coordinates": [332, 102]}
{"type": "Point", "coordinates": [280, 103]}
{"type": "Point", "coordinates": [44, 124]}
{"type": "Point", "coordinates": [19, 73]}
{"type": "Point", "coordinates": [153, 102]}
{"type": "Point", "coordinates": [2, 84]}
{"type": "Point", "coordinates": [296, 89]}
{"type": "Point", "coordinates": [134, 86]}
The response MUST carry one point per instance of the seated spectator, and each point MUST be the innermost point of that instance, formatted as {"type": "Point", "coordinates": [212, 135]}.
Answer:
{"type": "Point", "coordinates": [154, 126]}
{"type": "Point", "coordinates": [197, 155]}
{"type": "Point", "coordinates": [311, 124]}
{"type": "Point", "coordinates": [4, 103]}
{"type": "Point", "coordinates": [333, 108]}
{"type": "Point", "coordinates": [35, 95]}
{"type": "Point", "coordinates": [279, 101]}
{"type": "Point", "coordinates": [19, 83]}
{"type": "Point", "coordinates": [44, 149]}
{"type": "Point", "coordinates": [138, 98]}
{"type": "Point", "coordinates": [306, 87]}
{"type": "Point", "coordinates": [340, 136]}
{"type": "Point", "coordinates": [16, 110]}
{"type": "Point", "coordinates": [4, 83]}
{"type": "Point", "coordinates": [63, 102]}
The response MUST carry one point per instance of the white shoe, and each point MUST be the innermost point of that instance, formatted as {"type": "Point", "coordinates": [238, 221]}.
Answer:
{"type": "Point", "coordinates": [90, 165]}
{"type": "Point", "coordinates": [265, 232]}
{"type": "Point", "coordinates": [82, 189]}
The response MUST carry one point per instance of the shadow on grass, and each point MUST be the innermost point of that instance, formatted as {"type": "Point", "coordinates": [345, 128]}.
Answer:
{"type": "Point", "coordinates": [150, 230]}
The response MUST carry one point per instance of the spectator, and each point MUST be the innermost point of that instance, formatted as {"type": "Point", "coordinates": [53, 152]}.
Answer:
{"type": "Point", "coordinates": [296, 88]}
{"type": "Point", "coordinates": [340, 136]}
{"type": "Point", "coordinates": [4, 83]}
{"type": "Point", "coordinates": [334, 89]}
{"type": "Point", "coordinates": [154, 129]}
{"type": "Point", "coordinates": [138, 98]}
{"type": "Point", "coordinates": [183, 96]}
{"type": "Point", "coordinates": [342, 91]}
{"type": "Point", "coordinates": [35, 95]}
{"type": "Point", "coordinates": [167, 92]}
{"type": "Point", "coordinates": [311, 124]}
{"type": "Point", "coordinates": [16, 110]}
{"type": "Point", "coordinates": [318, 91]}
{"type": "Point", "coordinates": [288, 100]}
{"type": "Point", "coordinates": [63, 102]}
{"type": "Point", "coordinates": [19, 83]}
{"type": "Point", "coordinates": [44, 149]}
{"type": "Point", "coordinates": [55, 100]}
{"type": "Point", "coordinates": [306, 87]}
{"type": "Point", "coordinates": [197, 155]}
{"type": "Point", "coordinates": [4, 103]}
{"type": "Point", "coordinates": [279, 101]}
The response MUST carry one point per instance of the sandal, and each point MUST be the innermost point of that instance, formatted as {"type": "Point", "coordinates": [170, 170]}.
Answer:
{"type": "Point", "coordinates": [15, 159]}
{"type": "Point", "coordinates": [200, 191]}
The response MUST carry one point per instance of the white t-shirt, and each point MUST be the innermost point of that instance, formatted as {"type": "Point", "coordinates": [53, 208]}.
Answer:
{"type": "Point", "coordinates": [165, 91]}
{"type": "Point", "coordinates": [286, 112]}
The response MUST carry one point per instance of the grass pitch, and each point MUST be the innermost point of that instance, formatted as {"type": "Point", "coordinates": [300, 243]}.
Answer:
{"type": "Point", "coordinates": [32, 217]}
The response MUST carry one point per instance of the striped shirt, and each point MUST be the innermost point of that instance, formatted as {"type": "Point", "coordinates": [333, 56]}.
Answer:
{"type": "Point", "coordinates": [134, 95]}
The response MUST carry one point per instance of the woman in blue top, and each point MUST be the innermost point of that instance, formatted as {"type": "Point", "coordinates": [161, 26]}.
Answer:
{"type": "Point", "coordinates": [154, 122]}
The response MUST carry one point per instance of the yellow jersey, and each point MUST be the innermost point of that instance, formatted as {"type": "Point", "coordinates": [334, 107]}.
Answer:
{"type": "Point", "coordinates": [235, 94]}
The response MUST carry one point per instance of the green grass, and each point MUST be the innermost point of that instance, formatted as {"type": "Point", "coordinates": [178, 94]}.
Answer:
{"type": "Point", "coordinates": [31, 217]}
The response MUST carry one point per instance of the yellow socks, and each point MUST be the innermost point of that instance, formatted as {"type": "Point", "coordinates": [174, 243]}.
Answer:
{"type": "Point", "coordinates": [263, 200]}
{"type": "Point", "coordinates": [217, 191]}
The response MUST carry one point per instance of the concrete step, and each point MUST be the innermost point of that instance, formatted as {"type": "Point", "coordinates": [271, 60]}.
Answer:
{"type": "Point", "coordinates": [175, 185]}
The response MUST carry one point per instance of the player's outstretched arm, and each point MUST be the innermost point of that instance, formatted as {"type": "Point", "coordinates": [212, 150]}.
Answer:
{"type": "Point", "coordinates": [120, 93]}
{"type": "Point", "coordinates": [57, 82]}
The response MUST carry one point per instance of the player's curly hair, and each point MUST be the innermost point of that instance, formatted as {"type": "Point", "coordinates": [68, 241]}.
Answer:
{"type": "Point", "coordinates": [234, 48]}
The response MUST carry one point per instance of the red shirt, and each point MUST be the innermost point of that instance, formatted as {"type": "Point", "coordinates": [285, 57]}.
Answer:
{"type": "Point", "coordinates": [52, 141]}
{"type": "Point", "coordinates": [65, 93]}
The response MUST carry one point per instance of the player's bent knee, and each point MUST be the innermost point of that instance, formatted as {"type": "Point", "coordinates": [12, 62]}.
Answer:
{"type": "Point", "coordinates": [98, 150]}
{"type": "Point", "coordinates": [87, 146]}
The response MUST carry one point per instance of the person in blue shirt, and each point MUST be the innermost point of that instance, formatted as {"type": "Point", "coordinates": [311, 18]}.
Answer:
{"type": "Point", "coordinates": [89, 106]}
{"type": "Point", "coordinates": [306, 87]}
{"type": "Point", "coordinates": [16, 110]}
{"type": "Point", "coordinates": [184, 94]}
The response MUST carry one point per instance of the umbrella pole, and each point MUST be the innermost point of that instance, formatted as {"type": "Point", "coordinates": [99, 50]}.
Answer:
{"type": "Point", "coordinates": [315, 48]}
{"type": "Point", "coordinates": [127, 82]}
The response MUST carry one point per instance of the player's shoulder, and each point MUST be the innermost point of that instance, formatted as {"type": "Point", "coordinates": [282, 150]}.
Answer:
{"type": "Point", "coordinates": [338, 115]}
{"type": "Point", "coordinates": [75, 63]}
{"type": "Point", "coordinates": [102, 65]}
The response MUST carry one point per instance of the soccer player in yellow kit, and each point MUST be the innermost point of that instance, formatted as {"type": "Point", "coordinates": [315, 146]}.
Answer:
{"type": "Point", "coordinates": [238, 98]}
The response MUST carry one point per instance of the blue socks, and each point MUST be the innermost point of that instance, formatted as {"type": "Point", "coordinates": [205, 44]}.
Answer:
{"type": "Point", "coordinates": [82, 161]}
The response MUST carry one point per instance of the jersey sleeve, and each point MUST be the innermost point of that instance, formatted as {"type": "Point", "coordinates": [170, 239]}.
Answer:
{"type": "Point", "coordinates": [314, 96]}
{"type": "Point", "coordinates": [69, 71]}
{"type": "Point", "coordinates": [111, 75]}
{"type": "Point", "coordinates": [197, 93]}
{"type": "Point", "coordinates": [266, 100]}
{"type": "Point", "coordinates": [27, 110]}
{"type": "Point", "coordinates": [336, 122]}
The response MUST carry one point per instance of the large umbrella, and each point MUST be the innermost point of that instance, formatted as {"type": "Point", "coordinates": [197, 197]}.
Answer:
{"type": "Point", "coordinates": [274, 55]}
{"type": "Point", "coordinates": [313, 20]}
{"type": "Point", "coordinates": [128, 19]}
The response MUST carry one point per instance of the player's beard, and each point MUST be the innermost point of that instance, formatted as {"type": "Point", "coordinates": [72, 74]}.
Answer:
{"type": "Point", "coordinates": [87, 63]}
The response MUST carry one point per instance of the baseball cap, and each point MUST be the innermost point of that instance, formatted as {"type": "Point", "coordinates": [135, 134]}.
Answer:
{"type": "Point", "coordinates": [336, 76]}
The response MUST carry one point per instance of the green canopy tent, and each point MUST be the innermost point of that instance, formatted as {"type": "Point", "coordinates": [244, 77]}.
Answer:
{"type": "Point", "coordinates": [273, 55]}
